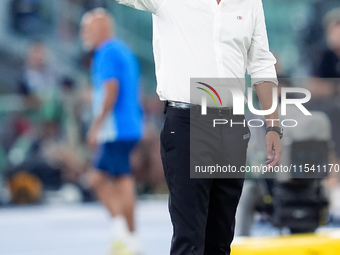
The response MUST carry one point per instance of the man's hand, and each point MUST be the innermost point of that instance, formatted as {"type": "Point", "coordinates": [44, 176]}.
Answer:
{"type": "Point", "coordinates": [92, 137]}
{"type": "Point", "coordinates": [273, 146]}
{"type": "Point", "coordinates": [111, 94]}
{"type": "Point", "coordinates": [272, 141]}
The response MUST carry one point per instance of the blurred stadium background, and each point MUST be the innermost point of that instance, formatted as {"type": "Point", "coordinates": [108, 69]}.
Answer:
{"type": "Point", "coordinates": [46, 206]}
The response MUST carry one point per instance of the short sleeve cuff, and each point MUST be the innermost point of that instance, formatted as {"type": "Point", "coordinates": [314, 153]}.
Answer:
{"type": "Point", "coordinates": [257, 81]}
{"type": "Point", "coordinates": [264, 76]}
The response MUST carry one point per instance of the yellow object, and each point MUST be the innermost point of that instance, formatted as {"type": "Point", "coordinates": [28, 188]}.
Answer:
{"type": "Point", "coordinates": [268, 199]}
{"type": "Point", "coordinates": [120, 248]}
{"type": "Point", "coordinates": [324, 242]}
{"type": "Point", "coordinates": [25, 188]}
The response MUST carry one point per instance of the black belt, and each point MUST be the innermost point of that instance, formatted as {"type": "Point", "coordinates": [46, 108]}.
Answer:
{"type": "Point", "coordinates": [213, 110]}
{"type": "Point", "coordinates": [179, 105]}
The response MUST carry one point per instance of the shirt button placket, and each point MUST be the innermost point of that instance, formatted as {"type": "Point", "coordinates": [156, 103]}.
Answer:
{"type": "Point", "coordinates": [217, 39]}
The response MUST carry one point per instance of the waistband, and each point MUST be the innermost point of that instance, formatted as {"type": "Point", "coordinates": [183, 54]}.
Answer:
{"type": "Point", "coordinates": [210, 110]}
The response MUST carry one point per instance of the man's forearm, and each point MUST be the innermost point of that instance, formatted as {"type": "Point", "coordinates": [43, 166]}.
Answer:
{"type": "Point", "coordinates": [99, 120]}
{"type": "Point", "coordinates": [111, 92]}
{"type": "Point", "coordinates": [265, 94]}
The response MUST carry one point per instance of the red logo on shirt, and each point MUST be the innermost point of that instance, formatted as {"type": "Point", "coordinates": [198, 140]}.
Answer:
{"type": "Point", "coordinates": [239, 17]}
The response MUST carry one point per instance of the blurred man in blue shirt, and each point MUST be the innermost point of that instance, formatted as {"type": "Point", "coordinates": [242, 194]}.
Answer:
{"type": "Point", "coordinates": [117, 123]}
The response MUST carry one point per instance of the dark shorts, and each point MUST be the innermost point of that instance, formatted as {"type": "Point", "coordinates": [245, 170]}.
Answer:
{"type": "Point", "coordinates": [114, 157]}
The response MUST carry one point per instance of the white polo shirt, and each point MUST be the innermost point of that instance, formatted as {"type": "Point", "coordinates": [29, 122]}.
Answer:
{"type": "Point", "coordinates": [203, 39]}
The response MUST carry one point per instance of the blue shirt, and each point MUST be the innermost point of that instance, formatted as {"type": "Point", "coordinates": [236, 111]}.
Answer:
{"type": "Point", "coordinates": [114, 60]}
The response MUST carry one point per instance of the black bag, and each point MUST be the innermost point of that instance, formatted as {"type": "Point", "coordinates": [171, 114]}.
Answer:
{"type": "Point", "coordinates": [299, 205]}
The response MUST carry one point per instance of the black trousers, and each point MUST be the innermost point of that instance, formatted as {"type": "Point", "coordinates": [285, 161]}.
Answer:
{"type": "Point", "coordinates": [202, 210]}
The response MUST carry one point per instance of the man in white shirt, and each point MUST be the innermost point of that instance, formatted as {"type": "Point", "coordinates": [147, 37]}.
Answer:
{"type": "Point", "coordinates": [210, 39]}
